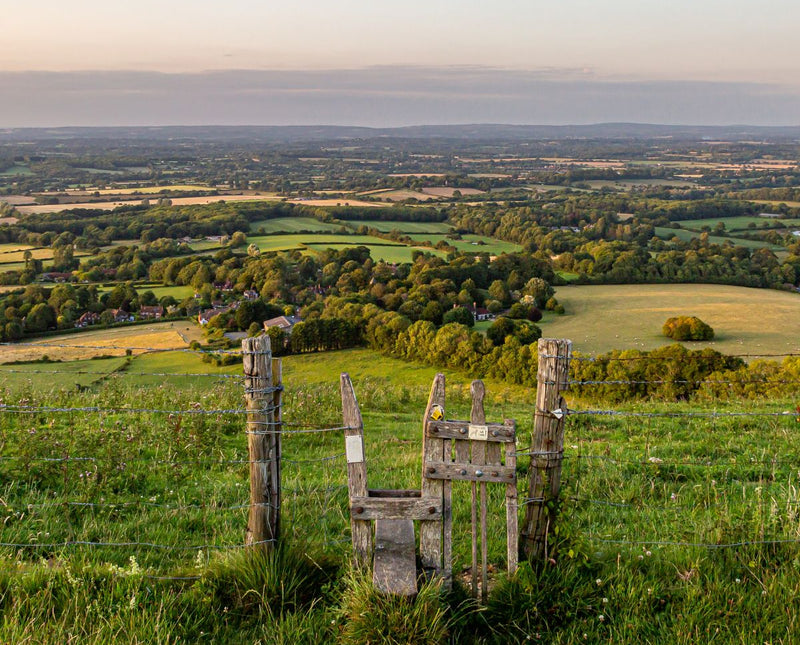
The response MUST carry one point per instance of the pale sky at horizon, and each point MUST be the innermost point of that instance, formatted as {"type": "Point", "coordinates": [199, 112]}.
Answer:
{"type": "Point", "coordinates": [360, 62]}
{"type": "Point", "coordinates": [731, 40]}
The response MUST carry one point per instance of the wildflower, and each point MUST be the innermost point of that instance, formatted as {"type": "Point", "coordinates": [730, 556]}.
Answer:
{"type": "Point", "coordinates": [738, 580]}
{"type": "Point", "coordinates": [648, 554]}
{"type": "Point", "coordinates": [599, 582]}
{"type": "Point", "coordinates": [601, 618]}
{"type": "Point", "coordinates": [605, 601]}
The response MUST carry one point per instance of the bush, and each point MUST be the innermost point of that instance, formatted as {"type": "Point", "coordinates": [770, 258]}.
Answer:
{"type": "Point", "coordinates": [687, 328]}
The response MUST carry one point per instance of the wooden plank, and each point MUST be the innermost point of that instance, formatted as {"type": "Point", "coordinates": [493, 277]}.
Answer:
{"type": "Point", "coordinates": [547, 446]}
{"type": "Point", "coordinates": [430, 534]}
{"type": "Point", "coordinates": [447, 521]}
{"type": "Point", "coordinates": [277, 419]}
{"type": "Point", "coordinates": [392, 492]}
{"type": "Point", "coordinates": [469, 472]}
{"type": "Point", "coordinates": [480, 451]}
{"type": "Point", "coordinates": [497, 432]}
{"type": "Point", "coordinates": [376, 508]}
{"type": "Point", "coordinates": [356, 471]}
{"type": "Point", "coordinates": [395, 568]}
{"type": "Point", "coordinates": [512, 518]}
{"type": "Point", "coordinates": [262, 442]}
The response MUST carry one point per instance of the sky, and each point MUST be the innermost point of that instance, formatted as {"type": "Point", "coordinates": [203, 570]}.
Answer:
{"type": "Point", "coordinates": [357, 62]}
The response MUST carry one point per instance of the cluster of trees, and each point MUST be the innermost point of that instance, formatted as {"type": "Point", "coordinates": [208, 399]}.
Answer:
{"type": "Point", "coordinates": [687, 328]}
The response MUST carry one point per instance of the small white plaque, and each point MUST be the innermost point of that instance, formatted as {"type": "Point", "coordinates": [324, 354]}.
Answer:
{"type": "Point", "coordinates": [478, 433]}
{"type": "Point", "coordinates": [558, 413]}
{"type": "Point", "coordinates": [354, 447]}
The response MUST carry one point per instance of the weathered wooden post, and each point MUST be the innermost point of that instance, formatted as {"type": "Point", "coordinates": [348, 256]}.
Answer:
{"type": "Point", "coordinates": [547, 446]}
{"type": "Point", "coordinates": [263, 441]}
{"type": "Point", "coordinates": [356, 471]}
{"type": "Point", "coordinates": [431, 542]}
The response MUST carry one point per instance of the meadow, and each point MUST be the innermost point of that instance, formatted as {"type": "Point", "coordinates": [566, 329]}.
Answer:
{"type": "Point", "coordinates": [470, 243]}
{"type": "Point", "coordinates": [736, 223]}
{"type": "Point", "coordinates": [687, 235]}
{"type": "Point", "coordinates": [292, 225]}
{"type": "Point", "coordinates": [435, 228]}
{"type": "Point", "coordinates": [672, 529]}
{"type": "Point", "coordinates": [604, 317]}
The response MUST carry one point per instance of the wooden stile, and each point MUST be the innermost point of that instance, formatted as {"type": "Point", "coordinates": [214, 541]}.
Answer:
{"type": "Point", "coordinates": [431, 535]}
{"type": "Point", "coordinates": [547, 446]}
{"type": "Point", "coordinates": [263, 443]}
{"type": "Point", "coordinates": [356, 470]}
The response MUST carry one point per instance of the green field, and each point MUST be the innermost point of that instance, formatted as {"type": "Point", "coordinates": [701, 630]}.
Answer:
{"type": "Point", "coordinates": [436, 228]}
{"type": "Point", "coordinates": [293, 225]}
{"type": "Point", "coordinates": [396, 254]}
{"type": "Point", "coordinates": [736, 223]}
{"type": "Point", "coordinates": [471, 243]}
{"type": "Point", "coordinates": [13, 247]}
{"type": "Point", "coordinates": [179, 292]}
{"type": "Point", "coordinates": [38, 378]}
{"type": "Point", "coordinates": [604, 317]}
{"type": "Point", "coordinates": [16, 171]}
{"type": "Point", "coordinates": [626, 184]}
{"type": "Point", "coordinates": [629, 563]}
{"type": "Point", "coordinates": [686, 235]}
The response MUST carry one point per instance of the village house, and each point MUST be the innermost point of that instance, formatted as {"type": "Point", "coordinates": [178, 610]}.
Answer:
{"type": "Point", "coordinates": [204, 316]}
{"type": "Point", "coordinates": [120, 315]}
{"type": "Point", "coordinates": [89, 318]}
{"type": "Point", "coordinates": [285, 323]}
{"type": "Point", "coordinates": [156, 311]}
{"type": "Point", "coordinates": [480, 313]}
{"type": "Point", "coordinates": [250, 295]}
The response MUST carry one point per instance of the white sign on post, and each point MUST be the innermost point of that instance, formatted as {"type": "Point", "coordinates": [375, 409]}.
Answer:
{"type": "Point", "coordinates": [354, 448]}
{"type": "Point", "coordinates": [478, 433]}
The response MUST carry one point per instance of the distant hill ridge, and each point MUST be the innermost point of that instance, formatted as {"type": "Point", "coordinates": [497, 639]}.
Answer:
{"type": "Point", "coordinates": [477, 131]}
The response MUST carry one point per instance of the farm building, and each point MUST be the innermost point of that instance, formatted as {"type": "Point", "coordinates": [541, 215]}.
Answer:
{"type": "Point", "coordinates": [284, 323]}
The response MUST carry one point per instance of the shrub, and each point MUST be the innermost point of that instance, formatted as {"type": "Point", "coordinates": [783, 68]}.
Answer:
{"type": "Point", "coordinates": [687, 328]}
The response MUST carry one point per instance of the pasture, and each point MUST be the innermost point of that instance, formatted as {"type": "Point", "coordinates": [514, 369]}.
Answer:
{"type": "Point", "coordinates": [400, 195]}
{"type": "Point", "coordinates": [736, 223]}
{"type": "Point", "coordinates": [687, 235]}
{"type": "Point", "coordinates": [106, 342]}
{"type": "Point", "coordinates": [435, 228]}
{"type": "Point", "coordinates": [653, 544]}
{"type": "Point", "coordinates": [292, 225]}
{"type": "Point", "coordinates": [448, 191]}
{"type": "Point", "coordinates": [111, 205]}
{"type": "Point", "coordinates": [470, 243]}
{"type": "Point", "coordinates": [318, 241]}
{"type": "Point", "coordinates": [746, 321]}
{"type": "Point", "coordinates": [391, 253]}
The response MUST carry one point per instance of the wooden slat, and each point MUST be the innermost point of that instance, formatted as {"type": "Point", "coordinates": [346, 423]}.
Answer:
{"type": "Point", "coordinates": [393, 492]}
{"type": "Point", "coordinates": [395, 568]}
{"type": "Point", "coordinates": [497, 432]}
{"type": "Point", "coordinates": [356, 473]}
{"type": "Point", "coordinates": [377, 508]}
{"type": "Point", "coordinates": [277, 419]}
{"type": "Point", "coordinates": [480, 452]}
{"type": "Point", "coordinates": [512, 519]}
{"type": "Point", "coordinates": [430, 534]}
{"type": "Point", "coordinates": [468, 472]}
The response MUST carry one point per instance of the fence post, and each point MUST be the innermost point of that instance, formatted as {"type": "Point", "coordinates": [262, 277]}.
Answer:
{"type": "Point", "coordinates": [547, 446]}
{"type": "Point", "coordinates": [263, 443]}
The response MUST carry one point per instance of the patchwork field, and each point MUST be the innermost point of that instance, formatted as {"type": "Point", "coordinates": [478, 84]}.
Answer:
{"type": "Point", "coordinates": [447, 191]}
{"type": "Point", "coordinates": [736, 223]}
{"type": "Point", "coordinates": [686, 235]}
{"type": "Point", "coordinates": [601, 318]}
{"type": "Point", "coordinates": [436, 228]}
{"type": "Point", "coordinates": [111, 205]}
{"type": "Point", "coordinates": [106, 342]}
{"type": "Point", "coordinates": [292, 225]}
{"type": "Point", "coordinates": [287, 242]}
{"type": "Point", "coordinates": [471, 243]}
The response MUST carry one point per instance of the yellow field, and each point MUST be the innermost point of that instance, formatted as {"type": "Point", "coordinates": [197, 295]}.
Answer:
{"type": "Point", "coordinates": [775, 203]}
{"type": "Point", "coordinates": [447, 191]}
{"type": "Point", "coordinates": [176, 201]}
{"type": "Point", "coordinates": [605, 317]}
{"type": "Point", "coordinates": [334, 202]}
{"type": "Point", "coordinates": [110, 342]}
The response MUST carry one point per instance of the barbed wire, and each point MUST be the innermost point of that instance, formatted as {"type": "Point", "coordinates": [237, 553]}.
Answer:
{"type": "Point", "coordinates": [678, 382]}
{"type": "Point", "coordinates": [4, 370]}
{"type": "Point", "coordinates": [166, 462]}
{"type": "Point", "coordinates": [706, 545]}
{"type": "Point", "coordinates": [651, 415]}
{"type": "Point", "coordinates": [186, 350]}
{"type": "Point", "coordinates": [674, 359]}
{"type": "Point", "coordinates": [707, 463]}
{"type": "Point", "coordinates": [152, 545]}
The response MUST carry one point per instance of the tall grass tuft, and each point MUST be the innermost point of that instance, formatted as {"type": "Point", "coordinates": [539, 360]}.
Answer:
{"type": "Point", "coordinates": [372, 617]}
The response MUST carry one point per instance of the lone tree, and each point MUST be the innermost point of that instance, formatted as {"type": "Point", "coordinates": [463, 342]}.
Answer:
{"type": "Point", "coordinates": [687, 328]}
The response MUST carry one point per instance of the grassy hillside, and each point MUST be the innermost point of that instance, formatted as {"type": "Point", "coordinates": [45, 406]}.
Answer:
{"type": "Point", "coordinates": [604, 317]}
{"type": "Point", "coordinates": [655, 541]}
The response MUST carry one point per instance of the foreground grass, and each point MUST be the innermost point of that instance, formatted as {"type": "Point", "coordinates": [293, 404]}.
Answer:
{"type": "Point", "coordinates": [643, 553]}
